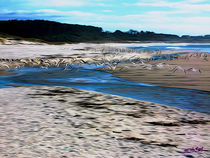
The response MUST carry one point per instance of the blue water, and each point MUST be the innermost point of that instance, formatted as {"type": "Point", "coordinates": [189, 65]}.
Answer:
{"type": "Point", "coordinates": [194, 47]}
{"type": "Point", "coordinates": [90, 79]}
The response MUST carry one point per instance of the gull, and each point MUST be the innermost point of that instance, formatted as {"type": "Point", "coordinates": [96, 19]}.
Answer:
{"type": "Point", "coordinates": [24, 61]}
{"type": "Point", "coordinates": [58, 64]}
{"type": "Point", "coordinates": [54, 62]}
{"type": "Point", "coordinates": [112, 65]}
{"type": "Point", "coordinates": [45, 64]}
{"type": "Point", "coordinates": [148, 66]}
{"type": "Point", "coordinates": [134, 63]}
{"type": "Point", "coordinates": [95, 63]}
{"type": "Point", "coordinates": [36, 61]}
{"type": "Point", "coordinates": [44, 67]}
{"type": "Point", "coordinates": [107, 58]}
{"type": "Point", "coordinates": [194, 70]}
{"type": "Point", "coordinates": [178, 68]}
{"type": "Point", "coordinates": [139, 61]}
{"type": "Point", "coordinates": [10, 60]}
{"type": "Point", "coordinates": [67, 65]}
{"type": "Point", "coordinates": [123, 68]}
{"type": "Point", "coordinates": [81, 61]}
{"type": "Point", "coordinates": [134, 57]}
{"type": "Point", "coordinates": [161, 65]}
{"type": "Point", "coordinates": [158, 52]}
{"type": "Point", "coordinates": [6, 65]}
{"type": "Point", "coordinates": [205, 57]}
{"type": "Point", "coordinates": [188, 56]}
{"type": "Point", "coordinates": [17, 67]}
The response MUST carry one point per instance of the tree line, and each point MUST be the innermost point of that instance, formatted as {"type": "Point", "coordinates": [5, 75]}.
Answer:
{"type": "Point", "coordinates": [50, 31]}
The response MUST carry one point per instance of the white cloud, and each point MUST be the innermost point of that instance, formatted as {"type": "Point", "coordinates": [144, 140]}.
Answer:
{"type": "Point", "coordinates": [74, 14]}
{"type": "Point", "coordinates": [187, 6]}
{"type": "Point", "coordinates": [58, 3]}
{"type": "Point", "coordinates": [195, 1]}
{"type": "Point", "coordinates": [67, 3]}
{"type": "Point", "coordinates": [49, 11]}
{"type": "Point", "coordinates": [77, 14]}
{"type": "Point", "coordinates": [107, 11]}
{"type": "Point", "coordinates": [81, 14]}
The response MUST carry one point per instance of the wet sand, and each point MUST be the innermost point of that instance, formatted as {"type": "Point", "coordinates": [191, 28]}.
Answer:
{"type": "Point", "coordinates": [5, 73]}
{"type": "Point", "coordinates": [163, 75]}
{"type": "Point", "coordinates": [66, 123]}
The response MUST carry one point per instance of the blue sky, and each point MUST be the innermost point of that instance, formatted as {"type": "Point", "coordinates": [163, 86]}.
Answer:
{"type": "Point", "coordinates": [163, 16]}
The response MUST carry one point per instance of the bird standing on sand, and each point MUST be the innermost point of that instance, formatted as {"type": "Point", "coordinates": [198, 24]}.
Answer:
{"type": "Point", "coordinates": [4, 65]}
{"type": "Point", "coordinates": [194, 70]}
{"type": "Point", "coordinates": [178, 68]}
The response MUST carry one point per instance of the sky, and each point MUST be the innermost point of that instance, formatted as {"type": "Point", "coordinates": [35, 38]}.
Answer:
{"type": "Point", "coordinates": [181, 17]}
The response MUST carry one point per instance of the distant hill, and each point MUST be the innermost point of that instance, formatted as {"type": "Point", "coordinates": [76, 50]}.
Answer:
{"type": "Point", "coordinates": [50, 31]}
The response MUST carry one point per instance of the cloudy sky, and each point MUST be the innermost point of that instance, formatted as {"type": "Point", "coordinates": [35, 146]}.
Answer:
{"type": "Point", "coordinates": [164, 16]}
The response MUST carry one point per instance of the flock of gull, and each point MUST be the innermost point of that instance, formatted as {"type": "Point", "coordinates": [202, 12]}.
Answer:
{"type": "Point", "coordinates": [110, 60]}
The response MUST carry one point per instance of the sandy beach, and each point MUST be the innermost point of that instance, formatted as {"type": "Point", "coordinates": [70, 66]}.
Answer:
{"type": "Point", "coordinates": [24, 49]}
{"type": "Point", "coordinates": [64, 122]}
{"type": "Point", "coordinates": [60, 122]}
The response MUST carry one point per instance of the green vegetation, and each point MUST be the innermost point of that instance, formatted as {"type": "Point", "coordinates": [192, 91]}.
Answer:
{"type": "Point", "coordinates": [54, 32]}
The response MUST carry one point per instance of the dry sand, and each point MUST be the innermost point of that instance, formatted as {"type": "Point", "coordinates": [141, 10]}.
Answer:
{"type": "Point", "coordinates": [59, 122]}
{"type": "Point", "coordinates": [24, 49]}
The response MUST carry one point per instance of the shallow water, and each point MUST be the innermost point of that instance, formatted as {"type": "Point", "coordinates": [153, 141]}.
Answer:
{"type": "Point", "coordinates": [194, 47]}
{"type": "Point", "coordinates": [88, 78]}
